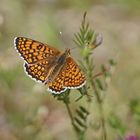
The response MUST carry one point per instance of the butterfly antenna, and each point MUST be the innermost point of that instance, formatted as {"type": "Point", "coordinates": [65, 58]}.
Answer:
{"type": "Point", "coordinates": [61, 36]}
{"type": "Point", "coordinates": [60, 33]}
{"type": "Point", "coordinates": [73, 48]}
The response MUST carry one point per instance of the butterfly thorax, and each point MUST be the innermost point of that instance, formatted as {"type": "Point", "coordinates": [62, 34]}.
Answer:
{"type": "Point", "coordinates": [57, 65]}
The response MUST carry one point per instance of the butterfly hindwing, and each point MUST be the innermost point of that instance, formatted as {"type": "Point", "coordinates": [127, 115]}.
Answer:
{"type": "Point", "coordinates": [56, 86]}
{"type": "Point", "coordinates": [38, 71]}
{"type": "Point", "coordinates": [34, 73]}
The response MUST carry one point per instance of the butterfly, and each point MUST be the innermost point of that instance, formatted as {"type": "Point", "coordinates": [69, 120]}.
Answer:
{"type": "Point", "coordinates": [48, 65]}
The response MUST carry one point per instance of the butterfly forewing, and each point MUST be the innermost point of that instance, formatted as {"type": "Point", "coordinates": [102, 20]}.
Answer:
{"type": "Point", "coordinates": [33, 51]}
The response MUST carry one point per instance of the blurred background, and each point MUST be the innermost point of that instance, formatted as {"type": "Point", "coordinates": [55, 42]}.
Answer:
{"type": "Point", "coordinates": [27, 110]}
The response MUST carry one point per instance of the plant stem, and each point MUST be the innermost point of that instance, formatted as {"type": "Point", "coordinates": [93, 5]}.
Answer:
{"type": "Point", "coordinates": [99, 101]}
{"type": "Point", "coordinates": [69, 112]}
{"type": "Point", "coordinates": [80, 137]}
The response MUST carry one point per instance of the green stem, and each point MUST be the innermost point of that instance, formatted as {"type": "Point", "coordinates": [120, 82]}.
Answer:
{"type": "Point", "coordinates": [66, 101]}
{"type": "Point", "coordinates": [99, 101]}
{"type": "Point", "coordinates": [80, 137]}
{"type": "Point", "coordinates": [104, 136]}
{"type": "Point", "coordinates": [69, 112]}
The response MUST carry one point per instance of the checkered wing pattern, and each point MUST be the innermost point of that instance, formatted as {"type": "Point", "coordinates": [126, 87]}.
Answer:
{"type": "Point", "coordinates": [74, 78]}
{"type": "Point", "coordinates": [56, 86]}
{"type": "Point", "coordinates": [37, 72]}
{"type": "Point", "coordinates": [70, 77]}
{"type": "Point", "coordinates": [39, 63]}
{"type": "Point", "coordinates": [33, 51]}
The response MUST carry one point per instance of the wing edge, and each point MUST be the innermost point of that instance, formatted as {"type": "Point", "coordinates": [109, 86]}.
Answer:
{"type": "Point", "coordinates": [38, 81]}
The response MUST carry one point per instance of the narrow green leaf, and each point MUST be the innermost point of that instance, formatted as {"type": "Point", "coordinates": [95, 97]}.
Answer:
{"type": "Point", "coordinates": [77, 128]}
{"type": "Point", "coordinates": [86, 27]}
{"type": "Point", "coordinates": [99, 84]}
{"type": "Point", "coordinates": [104, 70]}
{"type": "Point", "coordinates": [81, 38]}
{"type": "Point", "coordinates": [81, 115]}
{"type": "Point", "coordinates": [82, 66]}
{"type": "Point", "coordinates": [116, 123]}
{"type": "Point", "coordinates": [112, 62]}
{"type": "Point", "coordinates": [81, 123]}
{"type": "Point", "coordinates": [78, 39]}
{"type": "Point", "coordinates": [82, 31]}
{"type": "Point", "coordinates": [77, 43]}
{"type": "Point", "coordinates": [84, 110]}
{"type": "Point", "coordinates": [89, 36]}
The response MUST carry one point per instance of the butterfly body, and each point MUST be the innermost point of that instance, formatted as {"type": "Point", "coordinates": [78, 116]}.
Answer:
{"type": "Point", "coordinates": [56, 66]}
{"type": "Point", "coordinates": [46, 64]}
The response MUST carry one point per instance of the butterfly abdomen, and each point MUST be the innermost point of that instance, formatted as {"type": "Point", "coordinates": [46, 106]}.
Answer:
{"type": "Point", "coordinates": [57, 67]}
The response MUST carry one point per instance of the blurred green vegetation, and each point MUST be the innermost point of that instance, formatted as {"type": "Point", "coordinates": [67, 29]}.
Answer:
{"type": "Point", "coordinates": [27, 110]}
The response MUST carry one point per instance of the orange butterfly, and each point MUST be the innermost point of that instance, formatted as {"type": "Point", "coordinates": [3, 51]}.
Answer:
{"type": "Point", "coordinates": [46, 64]}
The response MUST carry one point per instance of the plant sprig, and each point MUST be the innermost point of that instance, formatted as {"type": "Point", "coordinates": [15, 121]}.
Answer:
{"type": "Point", "coordinates": [87, 40]}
